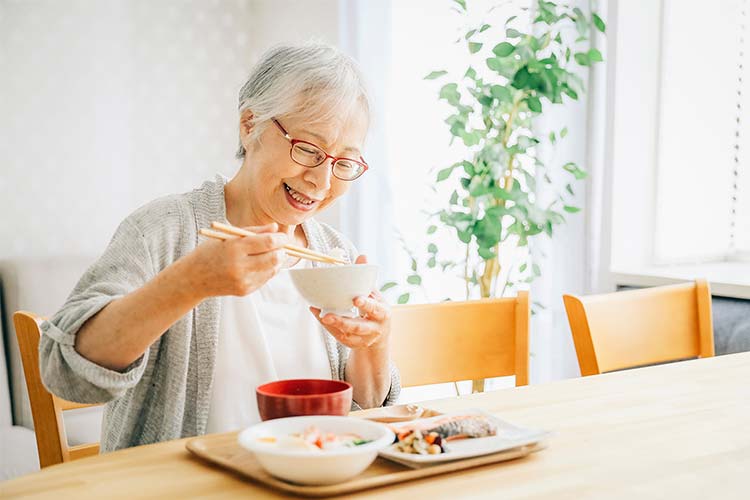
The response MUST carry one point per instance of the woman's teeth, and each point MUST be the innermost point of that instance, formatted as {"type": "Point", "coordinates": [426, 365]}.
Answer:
{"type": "Point", "coordinates": [298, 196]}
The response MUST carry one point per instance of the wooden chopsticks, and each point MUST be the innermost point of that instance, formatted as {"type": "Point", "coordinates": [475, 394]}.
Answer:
{"type": "Point", "coordinates": [225, 232]}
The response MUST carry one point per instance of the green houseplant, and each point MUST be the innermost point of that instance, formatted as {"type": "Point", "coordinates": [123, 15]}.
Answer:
{"type": "Point", "coordinates": [507, 86]}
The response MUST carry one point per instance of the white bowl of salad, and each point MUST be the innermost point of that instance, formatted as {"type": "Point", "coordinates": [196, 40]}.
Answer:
{"type": "Point", "coordinates": [316, 450]}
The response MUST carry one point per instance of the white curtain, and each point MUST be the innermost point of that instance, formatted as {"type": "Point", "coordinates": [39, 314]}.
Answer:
{"type": "Point", "coordinates": [571, 258]}
{"type": "Point", "coordinates": [365, 214]}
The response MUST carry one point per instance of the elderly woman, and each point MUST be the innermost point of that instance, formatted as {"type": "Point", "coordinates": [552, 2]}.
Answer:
{"type": "Point", "coordinates": [174, 333]}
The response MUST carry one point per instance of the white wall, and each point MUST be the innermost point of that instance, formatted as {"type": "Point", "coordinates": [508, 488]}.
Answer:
{"type": "Point", "coordinates": [105, 105]}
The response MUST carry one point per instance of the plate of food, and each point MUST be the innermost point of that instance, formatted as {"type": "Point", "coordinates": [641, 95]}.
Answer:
{"type": "Point", "coordinates": [315, 450]}
{"type": "Point", "coordinates": [455, 436]}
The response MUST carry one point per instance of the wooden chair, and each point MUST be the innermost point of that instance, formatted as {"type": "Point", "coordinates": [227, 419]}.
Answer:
{"type": "Point", "coordinates": [633, 328]}
{"type": "Point", "coordinates": [452, 341]}
{"type": "Point", "coordinates": [46, 408]}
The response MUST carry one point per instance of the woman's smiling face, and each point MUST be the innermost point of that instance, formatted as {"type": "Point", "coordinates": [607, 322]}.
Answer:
{"type": "Point", "coordinates": [285, 192]}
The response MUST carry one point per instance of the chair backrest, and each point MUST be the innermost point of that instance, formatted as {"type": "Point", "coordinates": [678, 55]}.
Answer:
{"type": "Point", "coordinates": [46, 408]}
{"type": "Point", "coordinates": [633, 328]}
{"type": "Point", "coordinates": [452, 341]}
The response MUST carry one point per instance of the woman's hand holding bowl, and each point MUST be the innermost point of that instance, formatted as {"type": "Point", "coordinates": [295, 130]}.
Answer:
{"type": "Point", "coordinates": [370, 330]}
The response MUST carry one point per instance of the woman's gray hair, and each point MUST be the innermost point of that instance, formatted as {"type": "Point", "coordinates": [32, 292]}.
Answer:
{"type": "Point", "coordinates": [312, 80]}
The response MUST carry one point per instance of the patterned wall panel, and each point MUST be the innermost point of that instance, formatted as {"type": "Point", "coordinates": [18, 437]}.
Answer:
{"type": "Point", "coordinates": [108, 104]}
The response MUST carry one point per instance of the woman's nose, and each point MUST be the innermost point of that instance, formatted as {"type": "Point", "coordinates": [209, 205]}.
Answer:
{"type": "Point", "coordinates": [320, 176]}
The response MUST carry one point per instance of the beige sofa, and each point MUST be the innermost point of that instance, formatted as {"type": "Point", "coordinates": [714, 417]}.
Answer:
{"type": "Point", "coordinates": [39, 285]}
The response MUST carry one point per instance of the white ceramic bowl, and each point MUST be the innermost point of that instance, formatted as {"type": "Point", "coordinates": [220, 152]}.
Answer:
{"type": "Point", "coordinates": [313, 467]}
{"type": "Point", "coordinates": [332, 289]}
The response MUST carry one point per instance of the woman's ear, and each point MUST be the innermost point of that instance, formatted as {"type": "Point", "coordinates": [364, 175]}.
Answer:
{"type": "Point", "coordinates": [246, 127]}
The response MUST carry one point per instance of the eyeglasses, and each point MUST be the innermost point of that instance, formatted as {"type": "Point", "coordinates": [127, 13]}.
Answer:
{"type": "Point", "coordinates": [309, 155]}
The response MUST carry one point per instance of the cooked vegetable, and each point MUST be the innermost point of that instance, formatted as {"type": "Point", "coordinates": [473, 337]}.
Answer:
{"type": "Point", "coordinates": [429, 437]}
{"type": "Point", "coordinates": [413, 441]}
{"type": "Point", "coordinates": [313, 439]}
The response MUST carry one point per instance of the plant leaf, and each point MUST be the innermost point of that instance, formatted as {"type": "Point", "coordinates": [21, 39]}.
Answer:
{"type": "Point", "coordinates": [503, 49]}
{"type": "Point", "coordinates": [484, 28]}
{"type": "Point", "coordinates": [598, 22]}
{"type": "Point", "coordinates": [436, 74]}
{"type": "Point", "coordinates": [494, 64]}
{"type": "Point", "coordinates": [432, 248]}
{"type": "Point", "coordinates": [446, 172]}
{"type": "Point", "coordinates": [403, 298]}
{"type": "Point", "coordinates": [521, 78]}
{"type": "Point", "coordinates": [582, 58]}
{"type": "Point", "coordinates": [574, 169]}
{"type": "Point", "coordinates": [571, 209]}
{"type": "Point", "coordinates": [570, 92]}
{"type": "Point", "coordinates": [474, 47]}
{"type": "Point", "coordinates": [388, 286]}
{"type": "Point", "coordinates": [595, 55]}
{"type": "Point", "coordinates": [414, 279]}
{"type": "Point", "coordinates": [431, 229]}
{"type": "Point", "coordinates": [512, 33]}
{"type": "Point", "coordinates": [470, 138]}
{"type": "Point", "coordinates": [534, 104]}
{"type": "Point", "coordinates": [501, 93]}
{"type": "Point", "coordinates": [450, 93]}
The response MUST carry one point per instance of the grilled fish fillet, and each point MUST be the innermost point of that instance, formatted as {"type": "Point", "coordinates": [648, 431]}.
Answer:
{"type": "Point", "coordinates": [457, 427]}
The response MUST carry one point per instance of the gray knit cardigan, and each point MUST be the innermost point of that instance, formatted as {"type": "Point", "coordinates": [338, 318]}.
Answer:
{"type": "Point", "coordinates": [164, 394]}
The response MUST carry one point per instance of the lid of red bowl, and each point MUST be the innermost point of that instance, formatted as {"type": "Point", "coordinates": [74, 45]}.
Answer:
{"type": "Point", "coordinates": [303, 388]}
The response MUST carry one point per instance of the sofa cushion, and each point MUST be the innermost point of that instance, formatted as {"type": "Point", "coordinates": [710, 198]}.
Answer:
{"type": "Point", "coordinates": [6, 412]}
{"type": "Point", "coordinates": [18, 453]}
{"type": "Point", "coordinates": [40, 285]}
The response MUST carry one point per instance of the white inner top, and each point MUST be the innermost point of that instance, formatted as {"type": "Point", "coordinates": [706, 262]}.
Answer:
{"type": "Point", "coordinates": [267, 335]}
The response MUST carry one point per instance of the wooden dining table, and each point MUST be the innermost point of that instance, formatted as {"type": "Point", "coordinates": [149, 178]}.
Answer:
{"type": "Point", "coordinates": [680, 430]}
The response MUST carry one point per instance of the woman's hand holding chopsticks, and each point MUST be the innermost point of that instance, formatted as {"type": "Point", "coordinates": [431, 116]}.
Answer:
{"type": "Point", "coordinates": [239, 265]}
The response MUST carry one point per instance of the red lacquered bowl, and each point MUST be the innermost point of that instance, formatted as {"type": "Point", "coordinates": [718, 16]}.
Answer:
{"type": "Point", "coordinates": [291, 398]}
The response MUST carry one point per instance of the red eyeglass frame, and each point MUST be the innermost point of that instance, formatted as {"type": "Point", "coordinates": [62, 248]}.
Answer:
{"type": "Point", "coordinates": [294, 141]}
